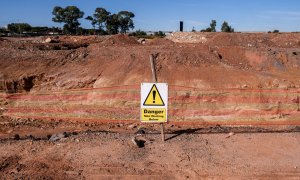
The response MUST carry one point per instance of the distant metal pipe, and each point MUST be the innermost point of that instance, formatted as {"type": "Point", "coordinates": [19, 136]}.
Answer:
{"type": "Point", "coordinates": [181, 26]}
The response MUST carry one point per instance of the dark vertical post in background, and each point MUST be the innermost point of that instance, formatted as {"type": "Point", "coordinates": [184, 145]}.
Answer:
{"type": "Point", "coordinates": [181, 26]}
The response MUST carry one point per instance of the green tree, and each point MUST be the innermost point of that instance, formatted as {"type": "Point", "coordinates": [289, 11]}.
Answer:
{"type": "Point", "coordinates": [159, 34]}
{"type": "Point", "coordinates": [18, 27]}
{"type": "Point", "coordinates": [213, 25]}
{"type": "Point", "coordinates": [125, 21]}
{"type": "Point", "coordinates": [93, 21]}
{"type": "Point", "coordinates": [3, 31]}
{"type": "Point", "coordinates": [139, 33]}
{"type": "Point", "coordinates": [206, 30]}
{"type": "Point", "coordinates": [113, 24]}
{"type": "Point", "coordinates": [68, 15]}
{"type": "Point", "coordinates": [226, 28]}
{"type": "Point", "coordinates": [99, 18]}
{"type": "Point", "coordinates": [193, 30]}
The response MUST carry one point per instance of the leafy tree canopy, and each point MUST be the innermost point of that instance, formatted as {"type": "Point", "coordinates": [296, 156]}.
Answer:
{"type": "Point", "coordinates": [213, 25]}
{"type": "Point", "coordinates": [18, 27]}
{"type": "Point", "coordinates": [125, 21]}
{"type": "Point", "coordinates": [68, 15]}
{"type": "Point", "coordinates": [226, 28]}
{"type": "Point", "coordinates": [99, 18]}
{"type": "Point", "coordinates": [112, 23]}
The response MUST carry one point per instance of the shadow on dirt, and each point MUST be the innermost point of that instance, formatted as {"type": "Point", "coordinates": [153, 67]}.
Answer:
{"type": "Point", "coordinates": [180, 132]}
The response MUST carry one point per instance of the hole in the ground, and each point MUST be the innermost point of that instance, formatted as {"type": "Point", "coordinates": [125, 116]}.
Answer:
{"type": "Point", "coordinates": [295, 53]}
{"type": "Point", "coordinates": [28, 83]}
{"type": "Point", "coordinates": [220, 56]}
{"type": "Point", "coordinates": [15, 86]}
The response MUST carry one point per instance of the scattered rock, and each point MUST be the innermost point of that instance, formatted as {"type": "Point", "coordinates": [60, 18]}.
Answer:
{"type": "Point", "coordinates": [132, 126]}
{"type": "Point", "coordinates": [31, 137]}
{"type": "Point", "coordinates": [120, 125]}
{"type": "Point", "coordinates": [9, 131]}
{"type": "Point", "coordinates": [56, 137]}
{"type": "Point", "coordinates": [137, 142]}
{"type": "Point", "coordinates": [48, 40]}
{"type": "Point", "coordinates": [142, 41]}
{"type": "Point", "coordinates": [187, 37]}
{"type": "Point", "coordinates": [230, 134]}
{"type": "Point", "coordinates": [16, 137]}
{"type": "Point", "coordinates": [244, 86]}
{"type": "Point", "coordinates": [140, 132]}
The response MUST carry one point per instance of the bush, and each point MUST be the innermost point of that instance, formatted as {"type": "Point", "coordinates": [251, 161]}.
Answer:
{"type": "Point", "coordinates": [18, 27]}
{"type": "Point", "coordinates": [159, 34]}
{"type": "Point", "coordinates": [139, 34]}
{"type": "Point", "coordinates": [226, 28]}
{"type": "Point", "coordinates": [143, 34]}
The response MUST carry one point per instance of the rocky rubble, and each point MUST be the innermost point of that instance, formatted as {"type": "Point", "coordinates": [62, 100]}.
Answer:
{"type": "Point", "coordinates": [187, 37]}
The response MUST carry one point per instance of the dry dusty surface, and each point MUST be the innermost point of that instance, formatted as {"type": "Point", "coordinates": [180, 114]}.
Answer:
{"type": "Point", "coordinates": [106, 151]}
{"type": "Point", "coordinates": [70, 107]}
{"type": "Point", "coordinates": [101, 155]}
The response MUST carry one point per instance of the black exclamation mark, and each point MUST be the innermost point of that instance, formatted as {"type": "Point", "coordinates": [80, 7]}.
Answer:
{"type": "Point", "coordinates": [154, 94]}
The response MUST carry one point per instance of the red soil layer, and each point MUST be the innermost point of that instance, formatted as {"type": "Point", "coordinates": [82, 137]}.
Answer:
{"type": "Point", "coordinates": [238, 75]}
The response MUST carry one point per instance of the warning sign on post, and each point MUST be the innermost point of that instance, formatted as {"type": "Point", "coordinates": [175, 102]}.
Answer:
{"type": "Point", "coordinates": [154, 98]}
{"type": "Point", "coordinates": [154, 101]}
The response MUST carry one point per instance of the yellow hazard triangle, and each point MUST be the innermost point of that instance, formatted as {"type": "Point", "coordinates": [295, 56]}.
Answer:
{"type": "Point", "coordinates": [154, 98]}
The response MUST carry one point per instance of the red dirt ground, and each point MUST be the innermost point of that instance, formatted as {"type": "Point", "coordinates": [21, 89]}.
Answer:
{"type": "Point", "coordinates": [88, 86]}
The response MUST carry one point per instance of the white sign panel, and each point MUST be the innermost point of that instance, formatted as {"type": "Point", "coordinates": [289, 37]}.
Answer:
{"type": "Point", "coordinates": [154, 102]}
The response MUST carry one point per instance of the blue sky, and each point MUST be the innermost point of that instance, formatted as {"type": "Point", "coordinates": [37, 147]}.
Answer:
{"type": "Point", "coordinates": [251, 15]}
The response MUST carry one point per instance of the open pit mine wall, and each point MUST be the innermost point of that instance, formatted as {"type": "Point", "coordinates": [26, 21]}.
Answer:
{"type": "Point", "coordinates": [217, 78]}
{"type": "Point", "coordinates": [186, 105]}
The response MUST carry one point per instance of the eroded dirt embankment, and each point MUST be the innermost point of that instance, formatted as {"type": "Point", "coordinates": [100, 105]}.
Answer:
{"type": "Point", "coordinates": [213, 77]}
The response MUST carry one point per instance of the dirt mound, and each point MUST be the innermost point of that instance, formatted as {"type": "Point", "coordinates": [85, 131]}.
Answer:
{"type": "Point", "coordinates": [225, 39]}
{"type": "Point", "coordinates": [285, 40]}
{"type": "Point", "coordinates": [249, 40]}
{"type": "Point", "coordinates": [225, 66]}
{"type": "Point", "coordinates": [82, 39]}
{"type": "Point", "coordinates": [188, 37]}
{"type": "Point", "coordinates": [120, 40]}
{"type": "Point", "coordinates": [161, 41]}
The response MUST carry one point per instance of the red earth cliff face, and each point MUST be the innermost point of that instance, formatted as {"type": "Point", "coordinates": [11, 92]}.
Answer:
{"type": "Point", "coordinates": [238, 78]}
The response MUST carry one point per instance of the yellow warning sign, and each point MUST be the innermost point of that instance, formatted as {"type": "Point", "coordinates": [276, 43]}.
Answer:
{"type": "Point", "coordinates": [154, 98]}
{"type": "Point", "coordinates": [153, 115]}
